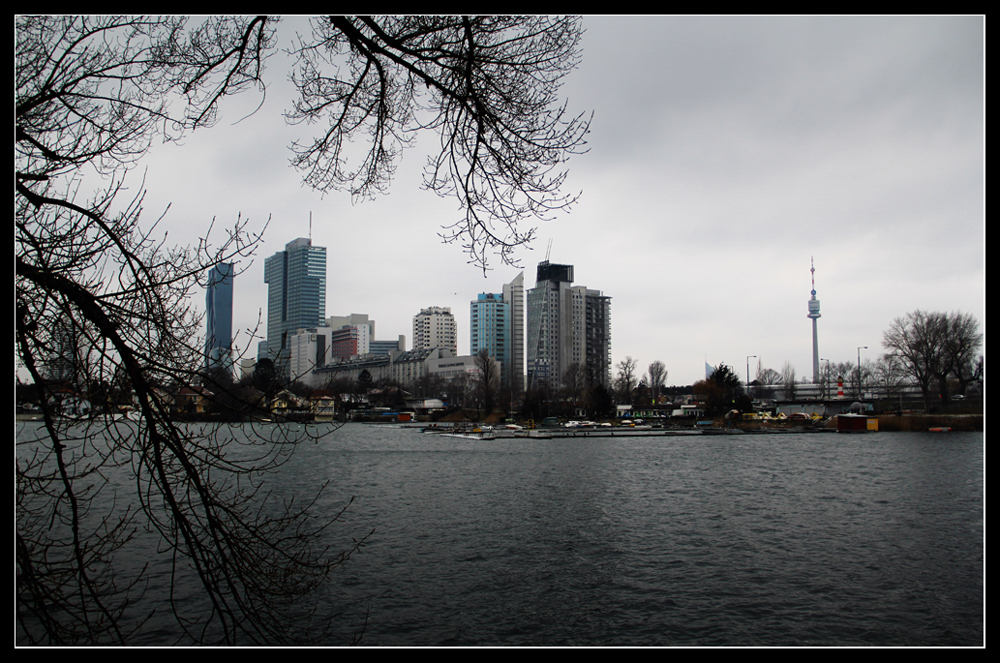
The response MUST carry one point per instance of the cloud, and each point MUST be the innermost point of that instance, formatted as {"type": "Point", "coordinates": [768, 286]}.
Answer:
{"type": "Point", "coordinates": [724, 153]}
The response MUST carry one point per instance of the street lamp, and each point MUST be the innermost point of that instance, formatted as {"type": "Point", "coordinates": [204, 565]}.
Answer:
{"type": "Point", "coordinates": [891, 383]}
{"type": "Point", "coordinates": [826, 376]}
{"type": "Point", "coordinates": [860, 348]}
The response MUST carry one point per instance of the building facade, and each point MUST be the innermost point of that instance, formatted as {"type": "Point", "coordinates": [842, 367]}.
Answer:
{"type": "Point", "coordinates": [341, 321]}
{"type": "Point", "coordinates": [490, 330]}
{"type": "Point", "coordinates": [219, 318]}
{"type": "Point", "coordinates": [387, 347]}
{"type": "Point", "coordinates": [349, 341]}
{"type": "Point", "coordinates": [435, 327]}
{"type": "Point", "coordinates": [309, 349]}
{"type": "Point", "coordinates": [597, 310]}
{"type": "Point", "coordinates": [567, 325]}
{"type": "Point", "coordinates": [296, 298]}
{"type": "Point", "coordinates": [405, 368]}
{"type": "Point", "coordinates": [378, 347]}
{"type": "Point", "coordinates": [496, 324]}
{"type": "Point", "coordinates": [513, 294]}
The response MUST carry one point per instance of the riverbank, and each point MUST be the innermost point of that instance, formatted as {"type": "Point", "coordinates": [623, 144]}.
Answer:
{"type": "Point", "coordinates": [921, 422]}
{"type": "Point", "coordinates": [886, 423]}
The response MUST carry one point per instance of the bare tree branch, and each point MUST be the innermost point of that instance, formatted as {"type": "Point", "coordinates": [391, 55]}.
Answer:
{"type": "Point", "coordinates": [488, 85]}
{"type": "Point", "coordinates": [101, 303]}
{"type": "Point", "coordinates": [104, 308]}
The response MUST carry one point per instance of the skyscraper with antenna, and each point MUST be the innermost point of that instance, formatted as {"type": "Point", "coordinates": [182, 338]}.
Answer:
{"type": "Point", "coordinates": [296, 298]}
{"type": "Point", "coordinates": [568, 327]}
{"type": "Point", "coordinates": [814, 314]}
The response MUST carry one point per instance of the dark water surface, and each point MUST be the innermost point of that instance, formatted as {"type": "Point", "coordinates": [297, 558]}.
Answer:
{"type": "Point", "coordinates": [774, 540]}
{"type": "Point", "coordinates": [739, 540]}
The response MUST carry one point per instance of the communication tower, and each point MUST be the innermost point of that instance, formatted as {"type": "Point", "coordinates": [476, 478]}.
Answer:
{"type": "Point", "coordinates": [814, 314]}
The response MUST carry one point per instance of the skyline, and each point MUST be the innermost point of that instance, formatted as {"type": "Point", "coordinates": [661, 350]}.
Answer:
{"type": "Point", "coordinates": [724, 154]}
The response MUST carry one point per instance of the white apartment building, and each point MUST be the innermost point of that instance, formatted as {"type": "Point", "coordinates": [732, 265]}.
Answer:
{"type": "Point", "coordinates": [435, 327]}
{"type": "Point", "coordinates": [309, 350]}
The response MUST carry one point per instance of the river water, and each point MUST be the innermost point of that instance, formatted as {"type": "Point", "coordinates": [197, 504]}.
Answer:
{"type": "Point", "coordinates": [752, 540]}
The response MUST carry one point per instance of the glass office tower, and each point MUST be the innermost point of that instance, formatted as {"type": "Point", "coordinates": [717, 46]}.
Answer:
{"type": "Point", "coordinates": [491, 330]}
{"type": "Point", "coordinates": [296, 297]}
{"type": "Point", "coordinates": [219, 318]}
{"type": "Point", "coordinates": [497, 325]}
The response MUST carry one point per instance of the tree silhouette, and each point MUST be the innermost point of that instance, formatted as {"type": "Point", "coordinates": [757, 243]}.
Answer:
{"type": "Point", "coordinates": [722, 392]}
{"type": "Point", "coordinates": [936, 346]}
{"type": "Point", "coordinates": [625, 381]}
{"type": "Point", "coordinates": [487, 380]}
{"type": "Point", "coordinates": [657, 378]}
{"type": "Point", "coordinates": [91, 94]}
{"type": "Point", "coordinates": [488, 85]}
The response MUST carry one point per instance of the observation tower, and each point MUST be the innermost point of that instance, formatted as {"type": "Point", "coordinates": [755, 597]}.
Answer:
{"type": "Point", "coordinates": [814, 314]}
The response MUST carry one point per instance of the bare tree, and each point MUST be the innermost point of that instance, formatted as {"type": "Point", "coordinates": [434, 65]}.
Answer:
{"type": "Point", "coordinates": [919, 339]}
{"type": "Point", "coordinates": [657, 378]}
{"type": "Point", "coordinates": [934, 346]}
{"type": "Point", "coordinates": [865, 377]}
{"type": "Point", "coordinates": [625, 382]}
{"type": "Point", "coordinates": [574, 382]}
{"type": "Point", "coordinates": [91, 93]}
{"type": "Point", "coordinates": [488, 380]}
{"type": "Point", "coordinates": [459, 389]}
{"type": "Point", "coordinates": [961, 349]}
{"type": "Point", "coordinates": [488, 85]}
{"type": "Point", "coordinates": [766, 378]}
{"type": "Point", "coordinates": [888, 374]}
{"type": "Point", "coordinates": [788, 381]}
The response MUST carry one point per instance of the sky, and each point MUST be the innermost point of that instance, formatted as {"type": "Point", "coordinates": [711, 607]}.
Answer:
{"type": "Point", "coordinates": [725, 154]}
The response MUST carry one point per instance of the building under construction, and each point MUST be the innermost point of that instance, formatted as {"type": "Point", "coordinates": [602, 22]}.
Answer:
{"type": "Point", "coordinates": [568, 327]}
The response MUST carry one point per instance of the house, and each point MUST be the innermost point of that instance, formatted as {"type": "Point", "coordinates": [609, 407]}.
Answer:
{"type": "Point", "coordinates": [324, 408]}
{"type": "Point", "coordinates": [196, 399]}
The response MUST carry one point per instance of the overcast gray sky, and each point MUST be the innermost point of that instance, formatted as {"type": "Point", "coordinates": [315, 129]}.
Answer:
{"type": "Point", "coordinates": [725, 152]}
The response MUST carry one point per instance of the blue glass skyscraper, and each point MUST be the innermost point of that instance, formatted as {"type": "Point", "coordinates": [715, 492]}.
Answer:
{"type": "Point", "coordinates": [296, 297]}
{"type": "Point", "coordinates": [490, 318]}
{"type": "Point", "coordinates": [497, 326]}
{"type": "Point", "coordinates": [219, 318]}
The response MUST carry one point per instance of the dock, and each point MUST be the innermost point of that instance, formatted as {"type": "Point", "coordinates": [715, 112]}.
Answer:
{"type": "Point", "coordinates": [600, 431]}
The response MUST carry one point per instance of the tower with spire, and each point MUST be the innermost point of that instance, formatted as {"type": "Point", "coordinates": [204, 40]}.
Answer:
{"type": "Point", "coordinates": [814, 314]}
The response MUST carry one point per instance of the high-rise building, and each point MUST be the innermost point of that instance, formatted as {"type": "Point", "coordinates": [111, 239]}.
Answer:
{"type": "Point", "coordinates": [349, 341]}
{"type": "Point", "coordinates": [513, 294]}
{"type": "Point", "coordinates": [309, 349]}
{"type": "Point", "coordinates": [296, 297]}
{"type": "Point", "coordinates": [375, 346]}
{"type": "Point", "coordinates": [567, 326]}
{"type": "Point", "coordinates": [219, 318]}
{"type": "Point", "coordinates": [597, 312]}
{"type": "Point", "coordinates": [341, 321]}
{"type": "Point", "coordinates": [490, 330]}
{"type": "Point", "coordinates": [497, 326]}
{"type": "Point", "coordinates": [435, 327]}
